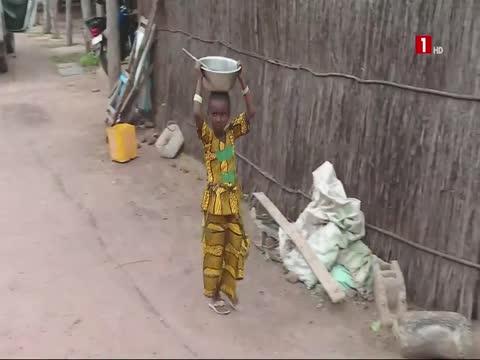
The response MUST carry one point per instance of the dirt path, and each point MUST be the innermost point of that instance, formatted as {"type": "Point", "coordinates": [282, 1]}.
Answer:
{"type": "Point", "coordinates": [99, 259]}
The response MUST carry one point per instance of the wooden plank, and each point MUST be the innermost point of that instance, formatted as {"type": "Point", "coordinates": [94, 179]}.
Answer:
{"type": "Point", "coordinates": [330, 285]}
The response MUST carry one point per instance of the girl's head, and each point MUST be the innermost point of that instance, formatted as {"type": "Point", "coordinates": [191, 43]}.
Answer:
{"type": "Point", "coordinates": [219, 110]}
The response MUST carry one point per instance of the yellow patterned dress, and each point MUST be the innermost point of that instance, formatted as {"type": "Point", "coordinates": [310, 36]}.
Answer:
{"type": "Point", "coordinates": [225, 244]}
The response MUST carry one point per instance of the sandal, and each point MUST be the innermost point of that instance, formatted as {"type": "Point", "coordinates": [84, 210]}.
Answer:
{"type": "Point", "coordinates": [232, 305]}
{"type": "Point", "coordinates": [219, 307]}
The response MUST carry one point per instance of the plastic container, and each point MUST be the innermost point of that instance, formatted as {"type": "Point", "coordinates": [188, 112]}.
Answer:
{"type": "Point", "coordinates": [170, 141]}
{"type": "Point", "coordinates": [122, 142]}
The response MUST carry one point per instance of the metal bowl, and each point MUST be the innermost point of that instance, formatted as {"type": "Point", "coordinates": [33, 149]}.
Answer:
{"type": "Point", "coordinates": [222, 74]}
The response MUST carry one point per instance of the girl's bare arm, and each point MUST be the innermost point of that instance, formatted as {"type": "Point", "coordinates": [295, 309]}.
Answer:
{"type": "Point", "coordinates": [197, 106]}
{"type": "Point", "coordinates": [247, 95]}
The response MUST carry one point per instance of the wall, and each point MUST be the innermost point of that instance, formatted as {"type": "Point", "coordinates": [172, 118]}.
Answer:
{"type": "Point", "coordinates": [411, 157]}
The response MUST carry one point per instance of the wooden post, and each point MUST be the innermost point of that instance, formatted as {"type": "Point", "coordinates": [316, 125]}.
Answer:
{"type": "Point", "coordinates": [86, 14]}
{"type": "Point", "coordinates": [47, 21]}
{"type": "Point", "coordinates": [69, 24]}
{"type": "Point", "coordinates": [86, 9]}
{"type": "Point", "coordinates": [54, 15]}
{"type": "Point", "coordinates": [113, 46]}
{"type": "Point", "coordinates": [99, 10]}
{"type": "Point", "coordinates": [34, 17]}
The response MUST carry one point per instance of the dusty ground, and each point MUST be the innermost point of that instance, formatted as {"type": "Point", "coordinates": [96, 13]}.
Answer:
{"type": "Point", "coordinates": [101, 259]}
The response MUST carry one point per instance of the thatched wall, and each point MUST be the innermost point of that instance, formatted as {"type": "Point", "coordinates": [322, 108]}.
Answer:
{"type": "Point", "coordinates": [412, 157]}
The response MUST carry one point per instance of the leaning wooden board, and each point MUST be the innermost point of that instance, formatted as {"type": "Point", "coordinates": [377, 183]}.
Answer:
{"type": "Point", "coordinates": [330, 285]}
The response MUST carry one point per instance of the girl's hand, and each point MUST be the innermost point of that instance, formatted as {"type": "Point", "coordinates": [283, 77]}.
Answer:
{"type": "Point", "coordinates": [240, 76]}
{"type": "Point", "coordinates": [198, 70]}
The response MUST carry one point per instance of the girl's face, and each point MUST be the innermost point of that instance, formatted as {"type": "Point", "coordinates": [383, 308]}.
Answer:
{"type": "Point", "coordinates": [219, 112]}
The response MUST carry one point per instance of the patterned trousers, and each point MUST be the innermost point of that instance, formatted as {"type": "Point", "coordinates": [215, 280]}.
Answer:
{"type": "Point", "coordinates": [225, 249]}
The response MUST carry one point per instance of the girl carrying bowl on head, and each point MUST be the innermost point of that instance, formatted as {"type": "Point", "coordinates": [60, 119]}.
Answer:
{"type": "Point", "coordinates": [225, 244]}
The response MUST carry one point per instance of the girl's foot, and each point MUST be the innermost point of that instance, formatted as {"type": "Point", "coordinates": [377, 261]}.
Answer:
{"type": "Point", "coordinates": [233, 305]}
{"type": "Point", "coordinates": [219, 307]}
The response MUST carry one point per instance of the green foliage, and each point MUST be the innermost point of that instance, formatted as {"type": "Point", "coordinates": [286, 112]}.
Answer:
{"type": "Point", "coordinates": [89, 60]}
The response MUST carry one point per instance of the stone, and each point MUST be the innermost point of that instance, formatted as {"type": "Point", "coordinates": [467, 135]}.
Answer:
{"type": "Point", "coordinates": [70, 69]}
{"type": "Point", "coordinates": [269, 242]}
{"type": "Point", "coordinates": [292, 278]}
{"type": "Point", "coordinates": [152, 140]}
{"type": "Point", "coordinates": [275, 255]}
{"type": "Point", "coordinates": [434, 335]}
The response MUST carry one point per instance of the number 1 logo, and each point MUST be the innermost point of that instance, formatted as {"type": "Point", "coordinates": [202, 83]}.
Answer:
{"type": "Point", "coordinates": [423, 44]}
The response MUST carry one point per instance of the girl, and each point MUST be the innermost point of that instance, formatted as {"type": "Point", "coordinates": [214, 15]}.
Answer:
{"type": "Point", "coordinates": [225, 244]}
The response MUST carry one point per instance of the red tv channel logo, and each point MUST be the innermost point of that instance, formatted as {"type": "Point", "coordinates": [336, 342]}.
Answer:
{"type": "Point", "coordinates": [424, 45]}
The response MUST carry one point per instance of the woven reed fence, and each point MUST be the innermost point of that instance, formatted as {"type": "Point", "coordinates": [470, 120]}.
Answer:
{"type": "Point", "coordinates": [407, 146]}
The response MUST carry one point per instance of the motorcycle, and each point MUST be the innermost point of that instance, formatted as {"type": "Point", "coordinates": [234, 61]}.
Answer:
{"type": "Point", "coordinates": [128, 23]}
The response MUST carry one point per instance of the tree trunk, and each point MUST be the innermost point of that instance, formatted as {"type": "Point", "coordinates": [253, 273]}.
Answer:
{"type": "Point", "coordinates": [113, 42]}
{"type": "Point", "coordinates": [69, 24]}
{"type": "Point", "coordinates": [54, 10]}
{"type": "Point", "coordinates": [86, 14]}
{"type": "Point", "coordinates": [47, 21]}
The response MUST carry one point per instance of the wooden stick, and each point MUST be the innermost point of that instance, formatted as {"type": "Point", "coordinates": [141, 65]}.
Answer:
{"type": "Point", "coordinates": [145, 47]}
{"type": "Point", "coordinates": [133, 92]}
{"type": "Point", "coordinates": [330, 285]}
{"type": "Point", "coordinates": [129, 91]}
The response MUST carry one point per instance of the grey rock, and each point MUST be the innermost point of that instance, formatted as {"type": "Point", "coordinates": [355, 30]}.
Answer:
{"type": "Point", "coordinates": [433, 335]}
{"type": "Point", "coordinates": [292, 278]}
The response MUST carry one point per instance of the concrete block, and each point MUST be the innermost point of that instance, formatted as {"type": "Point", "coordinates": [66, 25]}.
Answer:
{"type": "Point", "coordinates": [389, 290]}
